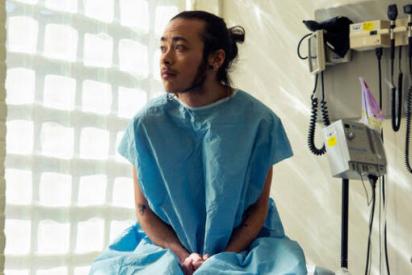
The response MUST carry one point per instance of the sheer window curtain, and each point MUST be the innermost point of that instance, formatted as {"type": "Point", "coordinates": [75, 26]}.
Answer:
{"type": "Point", "coordinates": [77, 71]}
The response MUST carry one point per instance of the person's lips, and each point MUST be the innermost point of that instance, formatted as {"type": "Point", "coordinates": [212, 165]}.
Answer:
{"type": "Point", "coordinates": [167, 74]}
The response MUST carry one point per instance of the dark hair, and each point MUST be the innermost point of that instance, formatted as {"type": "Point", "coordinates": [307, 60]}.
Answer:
{"type": "Point", "coordinates": [217, 36]}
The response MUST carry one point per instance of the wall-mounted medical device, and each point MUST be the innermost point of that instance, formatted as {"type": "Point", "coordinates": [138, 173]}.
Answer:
{"type": "Point", "coordinates": [328, 44]}
{"type": "Point", "coordinates": [320, 56]}
{"type": "Point", "coordinates": [316, 52]}
{"type": "Point", "coordinates": [369, 35]}
{"type": "Point", "coordinates": [354, 151]}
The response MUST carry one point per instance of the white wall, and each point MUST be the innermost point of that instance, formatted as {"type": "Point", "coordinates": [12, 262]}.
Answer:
{"type": "Point", "coordinates": [308, 197]}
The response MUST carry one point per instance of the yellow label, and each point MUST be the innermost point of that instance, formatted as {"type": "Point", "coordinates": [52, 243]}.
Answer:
{"type": "Point", "coordinates": [369, 26]}
{"type": "Point", "coordinates": [331, 142]}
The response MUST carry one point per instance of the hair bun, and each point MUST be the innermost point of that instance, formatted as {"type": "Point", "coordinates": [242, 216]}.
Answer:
{"type": "Point", "coordinates": [237, 34]}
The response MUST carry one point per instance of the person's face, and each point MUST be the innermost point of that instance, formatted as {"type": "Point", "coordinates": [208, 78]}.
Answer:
{"type": "Point", "coordinates": [181, 49]}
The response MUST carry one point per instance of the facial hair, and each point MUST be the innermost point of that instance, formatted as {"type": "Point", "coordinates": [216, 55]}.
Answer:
{"type": "Point", "coordinates": [199, 78]}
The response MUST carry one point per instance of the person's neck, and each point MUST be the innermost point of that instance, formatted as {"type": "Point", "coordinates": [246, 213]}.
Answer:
{"type": "Point", "coordinates": [205, 95]}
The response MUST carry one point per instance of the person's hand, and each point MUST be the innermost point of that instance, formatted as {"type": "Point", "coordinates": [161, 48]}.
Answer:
{"type": "Point", "coordinates": [193, 262]}
{"type": "Point", "coordinates": [205, 257]}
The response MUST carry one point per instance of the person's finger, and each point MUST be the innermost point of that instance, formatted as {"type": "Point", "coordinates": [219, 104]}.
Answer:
{"type": "Point", "coordinates": [188, 266]}
{"type": "Point", "coordinates": [187, 269]}
{"type": "Point", "coordinates": [195, 257]}
{"type": "Point", "coordinates": [205, 257]}
{"type": "Point", "coordinates": [197, 264]}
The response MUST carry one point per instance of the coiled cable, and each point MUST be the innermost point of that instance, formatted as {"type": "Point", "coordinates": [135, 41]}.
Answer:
{"type": "Point", "coordinates": [408, 129]}
{"type": "Point", "coordinates": [314, 114]}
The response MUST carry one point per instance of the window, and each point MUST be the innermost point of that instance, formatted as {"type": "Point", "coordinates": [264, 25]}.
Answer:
{"type": "Point", "coordinates": [77, 71]}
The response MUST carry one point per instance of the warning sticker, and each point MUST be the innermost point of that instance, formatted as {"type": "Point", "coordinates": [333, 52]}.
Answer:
{"type": "Point", "coordinates": [331, 142]}
{"type": "Point", "coordinates": [369, 26]}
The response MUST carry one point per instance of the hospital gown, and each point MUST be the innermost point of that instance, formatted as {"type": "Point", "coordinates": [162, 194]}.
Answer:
{"type": "Point", "coordinates": [200, 168]}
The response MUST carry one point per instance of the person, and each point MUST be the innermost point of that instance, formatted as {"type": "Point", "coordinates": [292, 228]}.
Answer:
{"type": "Point", "coordinates": [202, 158]}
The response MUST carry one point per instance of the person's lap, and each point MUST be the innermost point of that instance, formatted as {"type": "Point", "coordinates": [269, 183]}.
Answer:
{"type": "Point", "coordinates": [133, 253]}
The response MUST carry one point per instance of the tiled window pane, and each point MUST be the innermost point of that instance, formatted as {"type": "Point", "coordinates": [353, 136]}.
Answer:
{"type": "Point", "coordinates": [99, 10]}
{"type": "Point", "coordinates": [96, 97]}
{"type": "Point", "coordinates": [98, 50]}
{"type": "Point", "coordinates": [119, 157]}
{"type": "Point", "coordinates": [19, 137]}
{"type": "Point", "coordinates": [55, 189]}
{"type": "Point", "coordinates": [32, 2]}
{"type": "Point", "coordinates": [20, 85]}
{"type": "Point", "coordinates": [22, 34]}
{"type": "Point", "coordinates": [60, 42]}
{"type": "Point", "coordinates": [94, 143]}
{"type": "Point", "coordinates": [162, 17]}
{"type": "Point", "coordinates": [57, 140]}
{"type": "Point", "coordinates": [18, 236]}
{"type": "Point", "coordinates": [18, 186]}
{"type": "Point", "coordinates": [16, 272]}
{"type": "Point", "coordinates": [53, 237]}
{"type": "Point", "coordinates": [133, 57]}
{"type": "Point", "coordinates": [89, 236]}
{"type": "Point", "coordinates": [135, 14]}
{"type": "Point", "coordinates": [62, 5]}
{"type": "Point", "coordinates": [156, 65]}
{"type": "Point", "coordinates": [82, 270]}
{"type": "Point", "coordinates": [123, 192]}
{"type": "Point", "coordinates": [59, 92]}
{"type": "Point", "coordinates": [130, 101]}
{"type": "Point", "coordinates": [53, 271]}
{"type": "Point", "coordinates": [92, 190]}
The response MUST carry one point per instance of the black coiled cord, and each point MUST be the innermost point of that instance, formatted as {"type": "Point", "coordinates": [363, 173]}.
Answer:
{"type": "Point", "coordinates": [312, 128]}
{"type": "Point", "coordinates": [313, 118]}
{"type": "Point", "coordinates": [314, 107]}
{"type": "Point", "coordinates": [323, 104]}
{"type": "Point", "coordinates": [396, 95]}
{"type": "Point", "coordinates": [299, 44]}
{"type": "Point", "coordinates": [325, 113]}
{"type": "Point", "coordinates": [408, 129]}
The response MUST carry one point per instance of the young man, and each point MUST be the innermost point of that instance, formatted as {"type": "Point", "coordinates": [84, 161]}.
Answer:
{"type": "Point", "coordinates": [202, 158]}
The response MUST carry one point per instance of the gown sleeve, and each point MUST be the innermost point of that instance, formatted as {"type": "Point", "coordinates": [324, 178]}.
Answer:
{"type": "Point", "coordinates": [127, 146]}
{"type": "Point", "coordinates": [279, 145]}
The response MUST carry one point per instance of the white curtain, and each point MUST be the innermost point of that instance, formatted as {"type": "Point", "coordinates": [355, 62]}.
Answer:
{"type": "Point", "coordinates": [77, 71]}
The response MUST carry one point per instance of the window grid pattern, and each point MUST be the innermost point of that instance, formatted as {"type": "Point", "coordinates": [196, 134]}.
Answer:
{"type": "Point", "coordinates": [77, 71]}
{"type": "Point", "coordinates": [2, 128]}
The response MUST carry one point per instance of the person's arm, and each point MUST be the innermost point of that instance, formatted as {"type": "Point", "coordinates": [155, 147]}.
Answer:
{"type": "Point", "coordinates": [159, 232]}
{"type": "Point", "coordinates": [253, 220]}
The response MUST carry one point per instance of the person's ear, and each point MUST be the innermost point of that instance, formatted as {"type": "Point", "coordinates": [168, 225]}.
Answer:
{"type": "Point", "coordinates": [216, 60]}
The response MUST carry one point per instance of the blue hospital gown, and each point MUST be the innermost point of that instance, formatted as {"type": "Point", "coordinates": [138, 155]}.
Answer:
{"type": "Point", "coordinates": [200, 169]}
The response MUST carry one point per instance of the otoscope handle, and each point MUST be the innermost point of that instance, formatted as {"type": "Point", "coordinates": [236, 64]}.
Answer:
{"type": "Point", "coordinates": [392, 12]}
{"type": "Point", "coordinates": [393, 109]}
{"type": "Point", "coordinates": [396, 109]}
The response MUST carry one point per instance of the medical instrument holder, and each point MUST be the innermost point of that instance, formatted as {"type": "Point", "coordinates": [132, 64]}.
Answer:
{"type": "Point", "coordinates": [353, 151]}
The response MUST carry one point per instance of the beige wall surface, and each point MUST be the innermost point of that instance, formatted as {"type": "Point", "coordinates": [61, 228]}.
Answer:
{"type": "Point", "coordinates": [307, 196]}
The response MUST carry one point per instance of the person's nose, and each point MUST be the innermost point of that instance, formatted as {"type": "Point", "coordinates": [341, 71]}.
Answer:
{"type": "Point", "coordinates": [166, 57]}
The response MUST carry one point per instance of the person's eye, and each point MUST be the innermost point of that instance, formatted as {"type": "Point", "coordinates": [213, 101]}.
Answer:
{"type": "Point", "coordinates": [162, 49]}
{"type": "Point", "coordinates": [180, 47]}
